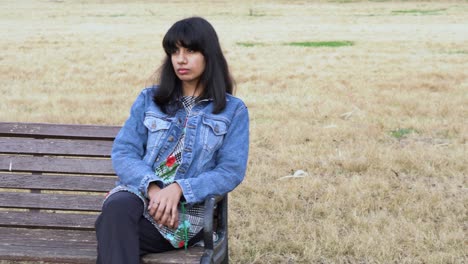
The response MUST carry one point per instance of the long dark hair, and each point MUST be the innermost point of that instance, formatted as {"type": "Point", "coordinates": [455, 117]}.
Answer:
{"type": "Point", "coordinates": [197, 34]}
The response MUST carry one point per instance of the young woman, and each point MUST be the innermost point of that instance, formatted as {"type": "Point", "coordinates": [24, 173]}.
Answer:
{"type": "Point", "coordinates": [185, 139]}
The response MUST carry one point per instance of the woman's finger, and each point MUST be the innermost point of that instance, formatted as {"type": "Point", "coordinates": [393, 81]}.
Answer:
{"type": "Point", "coordinates": [160, 212]}
{"type": "Point", "coordinates": [153, 205]}
{"type": "Point", "coordinates": [166, 215]}
{"type": "Point", "coordinates": [174, 217]}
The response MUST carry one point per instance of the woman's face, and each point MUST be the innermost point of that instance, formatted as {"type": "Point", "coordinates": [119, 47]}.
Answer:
{"type": "Point", "coordinates": [188, 65]}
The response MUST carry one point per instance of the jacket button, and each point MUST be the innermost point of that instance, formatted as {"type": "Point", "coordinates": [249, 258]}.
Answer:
{"type": "Point", "coordinates": [181, 170]}
{"type": "Point", "coordinates": [153, 126]}
{"type": "Point", "coordinates": [216, 129]}
{"type": "Point", "coordinates": [170, 139]}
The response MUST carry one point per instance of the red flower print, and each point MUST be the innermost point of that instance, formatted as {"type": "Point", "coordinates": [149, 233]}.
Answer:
{"type": "Point", "coordinates": [170, 161]}
{"type": "Point", "coordinates": [181, 243]}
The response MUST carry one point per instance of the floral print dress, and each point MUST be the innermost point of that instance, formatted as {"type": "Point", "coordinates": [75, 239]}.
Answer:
{"type": "Point", "coordinates": [190, 219]}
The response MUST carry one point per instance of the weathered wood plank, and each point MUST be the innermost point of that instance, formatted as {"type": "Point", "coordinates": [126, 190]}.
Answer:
{"type": "Point", "coordinates": [41, 130]}
{"type": "Point", "coordinates": [55, 164]}
{"type": "Point", "coordinates": [70, 246]}
{"type": "Point", "coordinates": [52, 201]}
{"type": "Point", "coordinates": [62, 147]}
{"type": "Point", "coordinates": [57, 182]}
{"type": "Point", "coordinates": [192, 255]}
{"type": "Point", "coordinates": [48, 220]}
{"type": "Point", "coordinates": [59, 246]}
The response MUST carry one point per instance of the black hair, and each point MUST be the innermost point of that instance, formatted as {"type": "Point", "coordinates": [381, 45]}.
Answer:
{"type": "Point", "coordinates": [197, 34]}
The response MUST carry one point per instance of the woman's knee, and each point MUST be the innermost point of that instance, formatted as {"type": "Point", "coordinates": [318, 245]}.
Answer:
{"type": "Point", "coordinates": [122, 203]}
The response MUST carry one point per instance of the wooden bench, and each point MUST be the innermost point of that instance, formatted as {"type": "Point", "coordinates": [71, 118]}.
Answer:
{"type": "Point", "coordinates": [53, 179]}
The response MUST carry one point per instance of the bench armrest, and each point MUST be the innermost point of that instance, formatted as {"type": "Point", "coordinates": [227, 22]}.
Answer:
{"type": "Point", "coordinates": [219, 204]}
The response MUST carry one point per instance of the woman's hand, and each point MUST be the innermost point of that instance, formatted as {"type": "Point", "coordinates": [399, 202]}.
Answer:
{"type": "Point", "coordinates": [163, 204]}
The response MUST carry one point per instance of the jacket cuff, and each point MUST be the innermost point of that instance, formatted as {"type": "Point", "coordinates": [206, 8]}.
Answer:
{"type": "Point", "coordinates": [187, 191]}
{"type": "Point", "coordinates": [145, 182]}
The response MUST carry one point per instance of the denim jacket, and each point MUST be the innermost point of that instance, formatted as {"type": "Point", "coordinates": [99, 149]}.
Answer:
{"type": "Point", "coordinates": [215, 151]}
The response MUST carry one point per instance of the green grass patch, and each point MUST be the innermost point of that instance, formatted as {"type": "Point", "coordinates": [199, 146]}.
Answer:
{"type": "Point", "coordinates": [254, 13]}
{"type": "Point", "coordinates": [419, 12]}
{"type": "Point", "coordinates": [331, 44]}
{"type": "Point", "coordinates": [249, 44]}
{"type": "Point", "coordinates": [465, 52]}
{"type": "Point", "coordinates": [401, 132]}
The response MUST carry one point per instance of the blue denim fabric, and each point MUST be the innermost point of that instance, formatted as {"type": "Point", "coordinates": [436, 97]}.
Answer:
{"type": "Point", "coordinates": [215, 152]}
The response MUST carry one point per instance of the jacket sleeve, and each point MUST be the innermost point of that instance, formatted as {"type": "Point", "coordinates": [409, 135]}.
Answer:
{"type": "Point", "coordinates": [231, 163]}
{"type": "Point", "coordinates": [129, 149]}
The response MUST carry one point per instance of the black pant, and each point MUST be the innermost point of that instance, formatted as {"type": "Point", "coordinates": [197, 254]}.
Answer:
{"type": "Point", "coordinates": [124, 234]}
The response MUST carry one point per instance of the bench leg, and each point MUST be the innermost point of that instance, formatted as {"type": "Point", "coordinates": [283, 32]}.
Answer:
{"type": "Point", "coordinates": [226, 258]}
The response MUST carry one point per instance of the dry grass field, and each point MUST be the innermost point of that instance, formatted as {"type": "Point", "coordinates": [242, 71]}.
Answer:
{"type": "Point", "coordinates": [378, 118]}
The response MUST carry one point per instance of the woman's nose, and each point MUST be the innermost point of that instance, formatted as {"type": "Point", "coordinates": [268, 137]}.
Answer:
{"type": "Point", "coordinates": [181, 58]}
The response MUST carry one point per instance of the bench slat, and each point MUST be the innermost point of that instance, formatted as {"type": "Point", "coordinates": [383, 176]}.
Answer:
{"type": "Point", "coordinates": [70, 246]}
{"type": "Point", "coordinates": [62, 246]}
{"type": "Point", "coordinates": [61, 147]}
{"type": "Point", "coordinates": [57, 182]}
{"type": "Point", "coordinates": [47, 220]}
{"type": "Point", "coordinates": [41, 130]}
{"type": "Point", "coordinates": [55, 164]}
{"type": "Point", "coordinates": [192, 256]}
{"type": "Point", "coordinates": [52, 201]}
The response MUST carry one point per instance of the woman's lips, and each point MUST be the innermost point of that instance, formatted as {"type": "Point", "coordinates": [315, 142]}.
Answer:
{"type": "Point", "coordinates": [182, 71]}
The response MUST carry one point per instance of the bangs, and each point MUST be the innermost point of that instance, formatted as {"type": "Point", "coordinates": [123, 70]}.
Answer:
{"type": "Point", "coordinates": [184, 34]}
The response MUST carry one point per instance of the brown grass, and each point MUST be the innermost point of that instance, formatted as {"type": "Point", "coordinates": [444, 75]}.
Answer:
{"type": "Point", "coordinates": [370, 197]}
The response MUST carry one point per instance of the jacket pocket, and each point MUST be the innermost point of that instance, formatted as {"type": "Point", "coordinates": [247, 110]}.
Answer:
{"type": "Point", "coordinates": [213, 133]}
{"type": "Point", "coordinates": [157, 129]}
